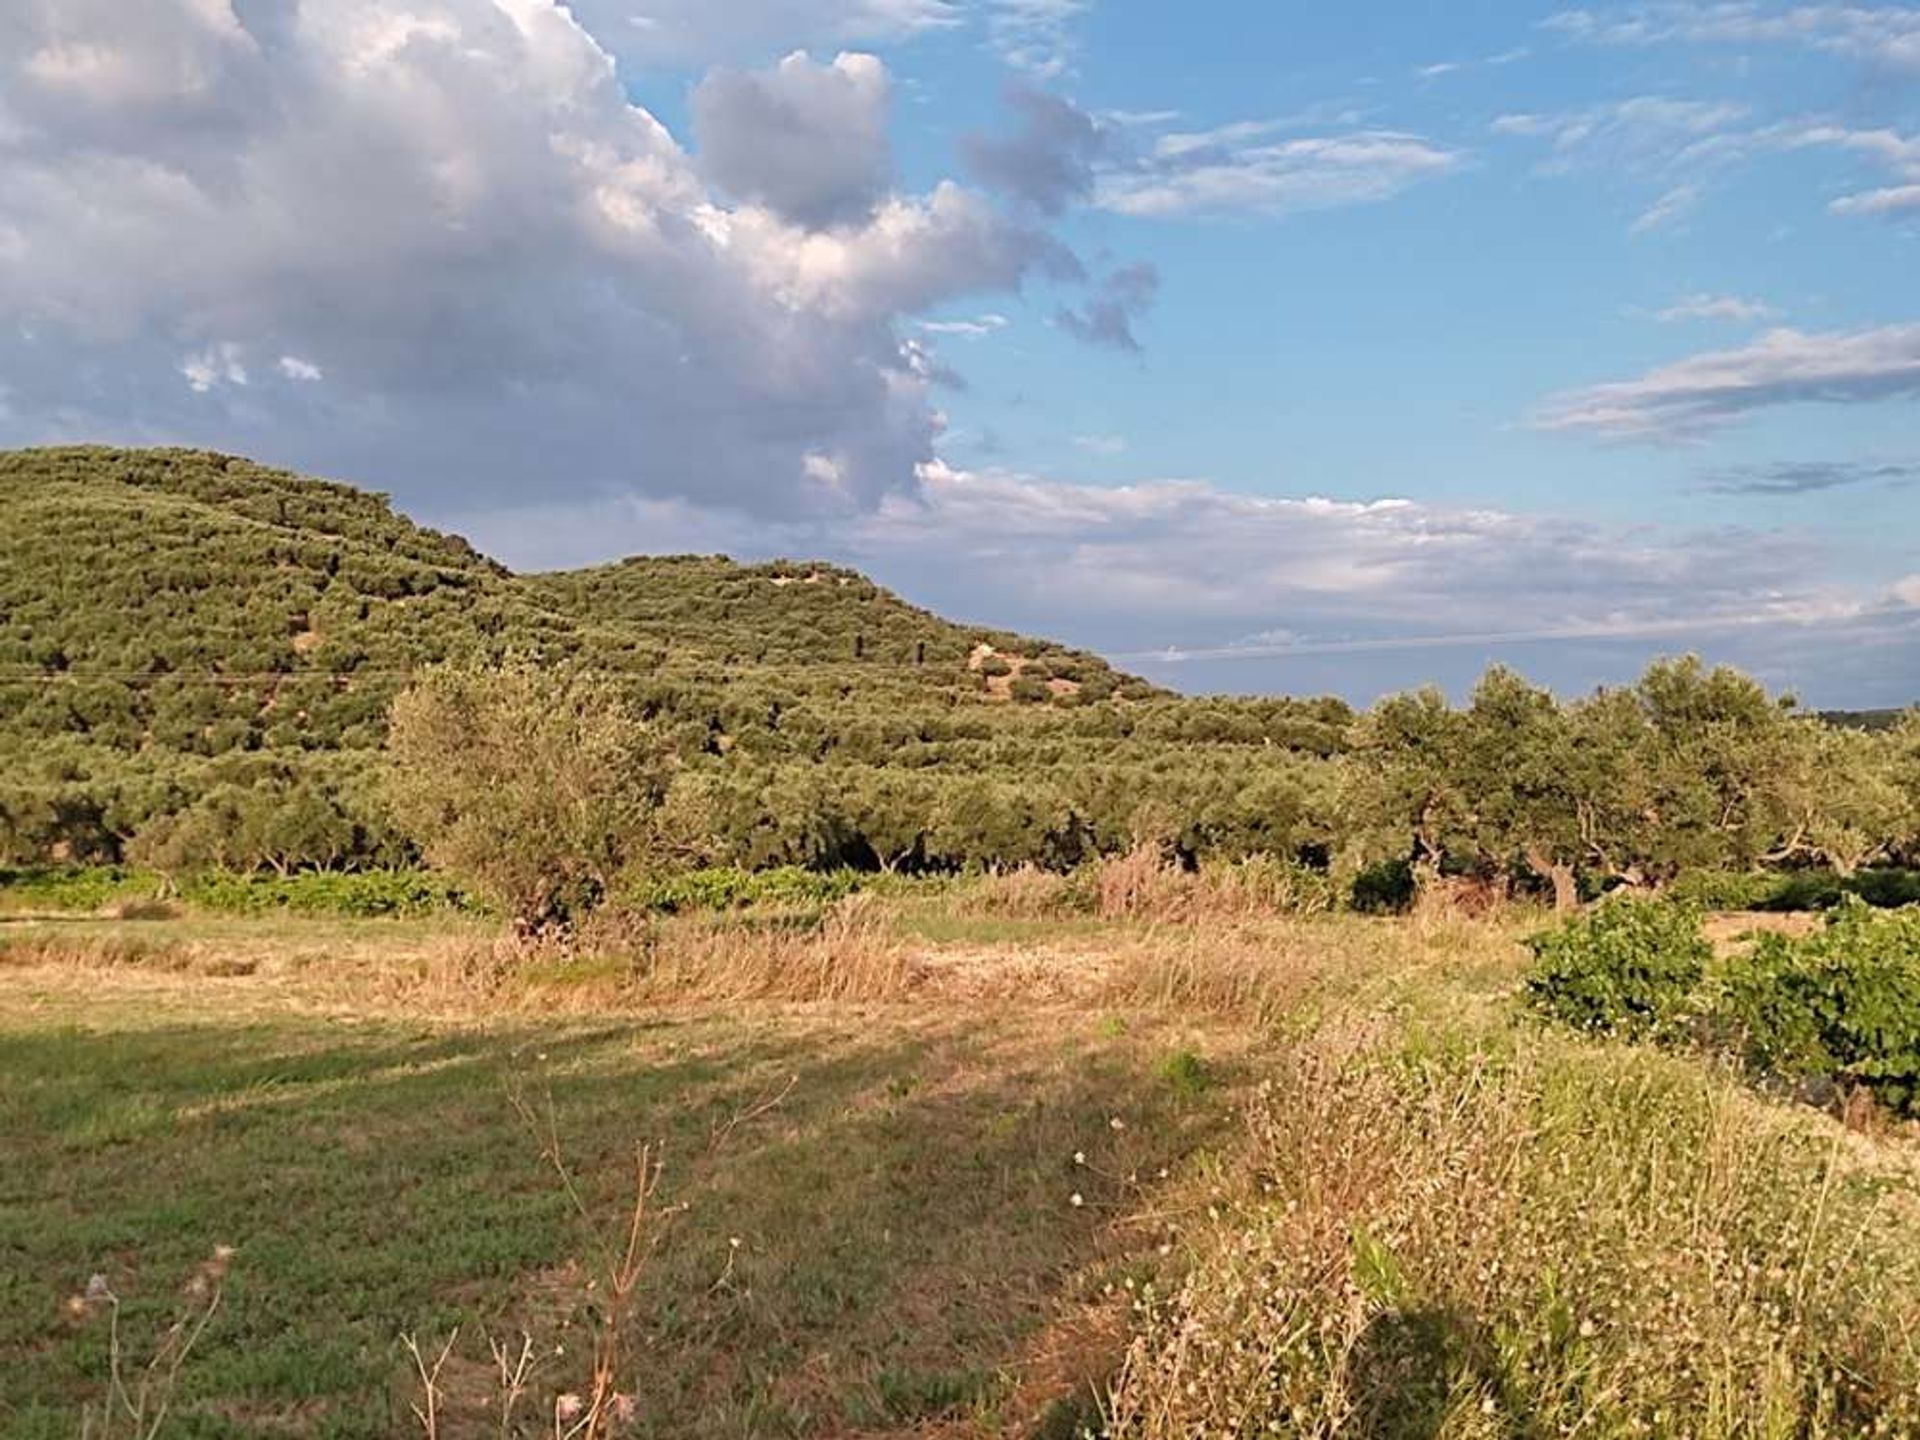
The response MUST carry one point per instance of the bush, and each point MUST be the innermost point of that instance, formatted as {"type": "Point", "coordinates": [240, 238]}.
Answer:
{"type": "Point", "coordinates": [360, 893]}
{"type": "Point", "coordinates": [75, 887]}
{"type": "Point", "coordinates": [726, 888]}
{"type": "Point", "coordinates": [1628, 967]}
{"type": "Point", "coordinates": [1842, 1004]}
{"type": "Point", "coordinates": [1886, 888]}
{"type": "Point", "coordinates": [1383, 889]}
{"type": "Point", "coordinates": [1726, 889]}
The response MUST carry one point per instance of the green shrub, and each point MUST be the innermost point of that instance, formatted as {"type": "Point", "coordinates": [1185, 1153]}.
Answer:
{"type": "Point", "coordinates": [359, 893]}
{"type": "Point", "coordinates": [1886, 889]}
{"type": "Point", "coordinates": [1795, 890]}
{"type": "Point", "coordinates": [1726, 889]}
{"type": "Point", "coordinates": [1383, 889]}
{"type": "Point", "coordinates": [74, 887]}
{"type": "Point", "coordinates": [728, 888]}
{"type": "Point", "coordinates": [1627, 967]}
{"type": "Point", "coordinates": [1842, 1004]}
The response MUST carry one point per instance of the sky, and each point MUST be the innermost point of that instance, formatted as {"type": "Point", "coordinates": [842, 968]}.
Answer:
{"type": "Point", "coordinates": [1264, 347]}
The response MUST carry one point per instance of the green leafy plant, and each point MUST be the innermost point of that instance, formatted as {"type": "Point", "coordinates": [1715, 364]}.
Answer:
{"type": "Point", "coordinates": [1627, 967]}
{"type": "Point", "coordinates": [1842, 1004]}
{"type": "Point", "coordinates": [1186, 1074]}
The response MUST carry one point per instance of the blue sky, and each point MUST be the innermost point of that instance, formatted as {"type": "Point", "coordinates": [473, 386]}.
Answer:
{"type": "Point", "coordinates": [1268, 347]}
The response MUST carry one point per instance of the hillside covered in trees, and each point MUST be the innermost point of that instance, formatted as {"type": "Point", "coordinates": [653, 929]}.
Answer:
{"type": "Point", "coordinates": [198, 656]}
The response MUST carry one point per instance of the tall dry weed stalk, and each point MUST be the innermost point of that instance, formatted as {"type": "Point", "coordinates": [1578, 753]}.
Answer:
{"type": "Point", "coordinates": [139, 1399]}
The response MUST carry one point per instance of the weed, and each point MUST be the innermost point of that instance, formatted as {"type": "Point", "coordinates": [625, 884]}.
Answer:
{"type": "Point", "coordinates": [1186, 1074]}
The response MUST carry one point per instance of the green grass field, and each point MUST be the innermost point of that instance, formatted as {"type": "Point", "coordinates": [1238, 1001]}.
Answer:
{"type": "Point", "coordinates": [879, 1223]}
{"type": "Point", "coordinates": [1313, 1175]}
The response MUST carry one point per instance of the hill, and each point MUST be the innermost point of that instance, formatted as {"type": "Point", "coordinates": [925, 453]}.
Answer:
{"type": "Point", "coordinates": [183, 632]}
{"type": "Point", "coordinates": [135, 577]}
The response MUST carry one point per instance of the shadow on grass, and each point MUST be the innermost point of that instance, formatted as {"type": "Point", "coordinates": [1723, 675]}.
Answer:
{"type": "Point", "coordinates": [876, 1247]}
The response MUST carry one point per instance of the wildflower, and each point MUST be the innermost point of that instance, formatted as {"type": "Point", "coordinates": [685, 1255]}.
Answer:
{"type": "Point", "coordinates": [99, 1292]}
{"type": "Point", "coordinates": [1079, 1157]}
{"type": "Point", "coordinates": [1075, 1200]}
{"type": "Point", "coordinates": [625, 1408]}
{"type": "Point", "coordinates": [567, 1408]}
{"type": "Point", "coordinates": [1116, 1123]}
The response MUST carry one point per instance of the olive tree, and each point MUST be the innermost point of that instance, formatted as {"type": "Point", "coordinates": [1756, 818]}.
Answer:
{"type": "Point", "coordinates": [533, 786]}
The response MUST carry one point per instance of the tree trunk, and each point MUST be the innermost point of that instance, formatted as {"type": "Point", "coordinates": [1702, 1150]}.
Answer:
{"type": "Point", "coordinates": [1566, 889]}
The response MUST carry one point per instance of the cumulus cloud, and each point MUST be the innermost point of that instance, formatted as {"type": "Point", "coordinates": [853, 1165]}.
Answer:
{"type": "Point", "coordinates": [1884, 34]}
{"type": "Point", "coordinates": [1807, 477]}
{"type": "Point", "coordinates": [808, 141]}
{"type": "Point", "coordinates": [1707, 391]}
{"type": "Point", "coordinates": [1704, 306]}
{"type": "Point", "coordinates": [692, 34]}
{"type": "Point", "coordinates": [508, 275]}
{"type": "Point", "coordinates": [1049, 158]}
{"type": "Point", "coordinates": [1107, 316]}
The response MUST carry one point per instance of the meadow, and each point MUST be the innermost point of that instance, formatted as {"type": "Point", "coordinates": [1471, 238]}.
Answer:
{"type": "Point", "coordinates": [943, 1162]}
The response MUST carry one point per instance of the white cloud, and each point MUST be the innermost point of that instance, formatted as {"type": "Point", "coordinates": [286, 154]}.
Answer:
{"type": "Point", "coordinates": [977, 328]}
{"type": "Point", "coordinates": [1707, 391]}
{"type": "Point", "coordinates": [1101, 444]}
{"type": "Point", "coordinates": [219, 364]}
{"type": "Point", "coordinates": [1135, 568]}
{"type": "Point", "coordinates": [807, 140]}
{"type": "Point", "coordinates": [692, 34]}
{"type": "Point", "coordinates": [294, 368]}
{"type": "Point", "coordinates": [1240, 168]}
{"type": "Point", "coordinates": [1669, 211]}
{"type": "Point", "coordinates": [1884, 34]}
{"type": "Point", "coordinates": [1643, 134]}
{"type": "Point", "coordinates": [508, 273]}
{"type": "Point", "coordinates": [1035, 36]}
{"type": "Point", "coordinates": [1898, 153]}
{"type": "Point", "coordinates": [1893, 200]}
{"type": "Point", "coordinates": [1704, 306]}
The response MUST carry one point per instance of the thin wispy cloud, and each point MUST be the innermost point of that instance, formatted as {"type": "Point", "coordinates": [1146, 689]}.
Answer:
{"type": "Point", "coordinates": [1808, 477]}
{"type": "Point", "coordinates": [977, 328]}
{"type": "Point", "coordinates": [1643, 134]}
{"type": "Point", "coordinates": [1705, 392]}
{"type": "Point", "coordinates": [1035, 36]}
{"type": "Point", "coordinates": [1668, 212]}
{"type": "Point", "coordinates": [1241, 169]}
{"type": "Point", "coordinates": [1704, 306]}
{"type": "Point", "coordinates": [1883, 34]}
{"type": "Point", "coordinates": [1899, 154]}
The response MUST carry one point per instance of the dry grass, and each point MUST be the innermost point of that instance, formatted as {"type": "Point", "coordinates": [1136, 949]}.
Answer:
{"type": "Point", "coordinates": [1145, 884]}
{"type": "Point", "coordinates": [1531, 1239]}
